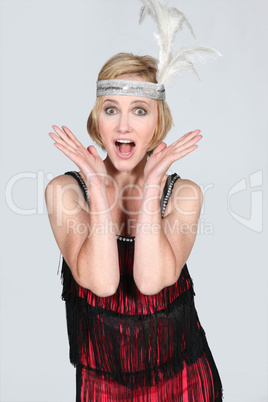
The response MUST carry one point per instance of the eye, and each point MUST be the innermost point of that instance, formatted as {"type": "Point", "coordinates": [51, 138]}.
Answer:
{"type": "Point", "coordinates": [110, 110]}
{"type": "Point", "coordinates": [140, 111]}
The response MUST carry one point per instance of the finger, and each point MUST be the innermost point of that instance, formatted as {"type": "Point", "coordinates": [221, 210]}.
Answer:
{"type": "Point", "coordinates": [186, 151]}
{"type": "Point", "coordinates": [64, 149]}
{"type": "Point", "coordinates": [60, 141]}
{"type": "Point", "coordinates": [71, 135]}
{"type": "Point", "coordinates": [186, 137]}
{"type": "Point", "coordinates": [192, 132]}
{"type": "Point", "coordinates": [188, 142]}
{"type": "Point", "coordinates": [64, 136]}
{"type": "Point", "coordinates": [160, 148]}
{"type": "Point", "coordinates": [70, 154]}
{"type": "Point", "coordinates": [194, 139]}
{"type": "Point", "coordinates": [91, 149]}
{"type": "Point", "coordinates": [190, 135]}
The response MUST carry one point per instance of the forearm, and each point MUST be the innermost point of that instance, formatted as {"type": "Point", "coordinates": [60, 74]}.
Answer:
{"type": "Point", "coordinates": [97, 264]}
{"type": "Point", "coordinates": [154, 259]}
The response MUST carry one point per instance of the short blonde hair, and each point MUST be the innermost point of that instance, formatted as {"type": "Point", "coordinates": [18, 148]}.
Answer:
{"type": "Point", "coordinates": [144, 67]}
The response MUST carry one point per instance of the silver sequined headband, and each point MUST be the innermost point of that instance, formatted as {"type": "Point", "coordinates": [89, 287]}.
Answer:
{"type": "Point", "coordinates": [169, 21]}
{"type": "Point", "coordinates": [131, 88]}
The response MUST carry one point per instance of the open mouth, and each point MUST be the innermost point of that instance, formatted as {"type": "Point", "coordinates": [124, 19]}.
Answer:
{"type": "Point", "coordinates": [125, 147]}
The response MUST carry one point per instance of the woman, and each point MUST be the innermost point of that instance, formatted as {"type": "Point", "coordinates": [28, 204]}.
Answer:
{"type": "Point", "coordinates": [125, 238]}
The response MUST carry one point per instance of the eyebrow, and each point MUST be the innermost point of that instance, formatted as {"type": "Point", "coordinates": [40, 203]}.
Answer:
{"type": "Point", "coordinates": [115, 101]}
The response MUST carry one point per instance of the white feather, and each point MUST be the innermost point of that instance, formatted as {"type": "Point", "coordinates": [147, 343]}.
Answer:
{"type": "Point", "coordinates": [184, 60]}
{"type": "Point", "coordinates": [169, 21]}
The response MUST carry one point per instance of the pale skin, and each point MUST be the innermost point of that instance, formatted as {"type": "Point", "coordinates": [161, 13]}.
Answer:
{"type": "Point", "coordinates": [160, 253]}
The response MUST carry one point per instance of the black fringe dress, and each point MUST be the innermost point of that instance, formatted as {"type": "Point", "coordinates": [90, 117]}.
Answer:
{"type": "Point", "coordinates": [133, 347]}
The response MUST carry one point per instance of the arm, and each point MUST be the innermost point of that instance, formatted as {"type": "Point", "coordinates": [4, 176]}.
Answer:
{"type": "Point", "coordinates": [160, 252]}
{"type": "Point", "coordinates": [163, 246]}
{"type": "Point", "coordinates": [89, 249]}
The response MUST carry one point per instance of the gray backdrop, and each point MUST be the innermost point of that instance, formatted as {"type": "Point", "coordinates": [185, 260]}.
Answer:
{"type": "Point", "coordinates": [51, 52]}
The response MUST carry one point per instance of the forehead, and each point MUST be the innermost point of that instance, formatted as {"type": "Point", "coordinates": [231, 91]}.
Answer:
{"type": "Point", "coordinates": [129, 100]}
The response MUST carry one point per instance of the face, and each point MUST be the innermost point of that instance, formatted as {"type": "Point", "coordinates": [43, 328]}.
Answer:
{"type": "Point", "coordinates": [127, 125]}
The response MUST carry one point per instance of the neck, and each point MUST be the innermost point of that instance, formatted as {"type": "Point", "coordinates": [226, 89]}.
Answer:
{"type": "Point", "coordinates": [134, 176]}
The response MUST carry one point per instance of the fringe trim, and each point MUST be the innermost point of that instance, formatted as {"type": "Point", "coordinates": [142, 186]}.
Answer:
{"type": "Point", "coordinates": [135, 350]}
{"type": "Point", "coordinates": [139, 351]}
{"type": "Point", "coordinates": [195, 383]}
{"type": "Point", "coordinates": [127, 299]}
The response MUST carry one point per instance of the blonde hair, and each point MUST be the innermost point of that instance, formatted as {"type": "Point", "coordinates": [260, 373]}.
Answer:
{"type": "Point", "coordinates": [144, 67]}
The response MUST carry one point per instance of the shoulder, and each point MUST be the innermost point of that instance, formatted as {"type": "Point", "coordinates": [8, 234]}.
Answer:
{"type": "Point", "coordinates": [62, 182]}
{"type": "Point", "coordinates": [187, 187]}
{"type": "Point", "coordinates": [186, 196]}
{"type": "Point", "coordinates": [64, 187]}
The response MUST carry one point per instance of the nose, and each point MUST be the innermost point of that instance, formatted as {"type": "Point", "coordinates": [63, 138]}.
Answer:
{"type": "Point", "coordinates": [124, 123]}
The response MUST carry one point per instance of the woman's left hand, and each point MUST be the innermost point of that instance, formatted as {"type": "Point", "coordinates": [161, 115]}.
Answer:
{"type": "Point", "coordinates": [163, 156]}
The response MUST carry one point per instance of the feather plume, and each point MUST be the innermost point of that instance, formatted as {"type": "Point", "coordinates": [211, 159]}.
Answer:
{"type": "Point", "coordinates": [184, 59]}
{"type": "Point", "coordinates": [169, 21]}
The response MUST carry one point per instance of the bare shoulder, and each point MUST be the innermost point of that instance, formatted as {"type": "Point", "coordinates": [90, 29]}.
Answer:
{"type": "Point", "coordinates": [187, 187]}
{"type": "Point", "coordinates": [61, 183]}
{"type": "Point", "coordinates": [66, 188]}
{"type": "Point", "coordinates": [186, 196]}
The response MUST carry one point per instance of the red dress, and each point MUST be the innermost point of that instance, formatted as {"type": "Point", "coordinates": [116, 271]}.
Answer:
{"type": "Point", "coordinates": [133, 347]}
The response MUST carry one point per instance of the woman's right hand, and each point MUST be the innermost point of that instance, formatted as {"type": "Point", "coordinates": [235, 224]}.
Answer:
{"type": "Point", "coordinates": [87, 160]}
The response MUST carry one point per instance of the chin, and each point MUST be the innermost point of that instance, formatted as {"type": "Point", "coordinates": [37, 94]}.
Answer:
{"type": "Point", "coordinates": [125, 165]}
